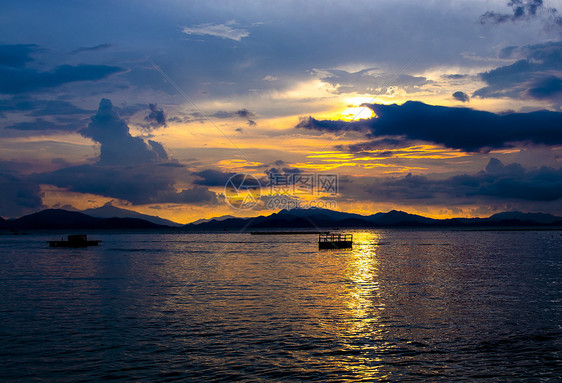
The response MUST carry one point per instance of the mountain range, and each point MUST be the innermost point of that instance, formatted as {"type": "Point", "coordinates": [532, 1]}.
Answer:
{"type": "Point", "coordinates": [323, 218]}
{"type": "Point", "coordinates": [110, 217]}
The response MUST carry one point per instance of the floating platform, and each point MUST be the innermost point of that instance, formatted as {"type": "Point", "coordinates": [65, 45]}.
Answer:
{"type": "Point", "coordinates": [75, 240]}
{"type": "Point", "coordinates": [335, 241]}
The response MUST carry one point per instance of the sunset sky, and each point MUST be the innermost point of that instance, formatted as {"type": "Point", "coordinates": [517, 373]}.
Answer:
{"type": "Point", "coordinates": [439, 108]}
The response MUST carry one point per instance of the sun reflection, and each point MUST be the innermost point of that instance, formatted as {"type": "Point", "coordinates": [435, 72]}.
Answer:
{"type": "Point", "coordinates": [362, 302]}
{"type": "Point", "coordinates": [362, 274]}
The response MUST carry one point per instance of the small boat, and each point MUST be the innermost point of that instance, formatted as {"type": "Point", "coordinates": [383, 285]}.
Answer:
{"type": "Point", "coordinates": [335, 241]}
{"type": "Point", "coordinates": [75, 240]}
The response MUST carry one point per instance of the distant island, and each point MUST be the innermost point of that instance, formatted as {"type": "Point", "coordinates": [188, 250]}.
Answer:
{"type": "Point", "coordinates": [315, 218]}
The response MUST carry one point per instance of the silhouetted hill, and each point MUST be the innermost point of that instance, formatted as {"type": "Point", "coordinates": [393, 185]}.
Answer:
{"type": "Point", "coordinates": [399, 218]}
{"type": "Point", "coordinates": [525, 217]}
{"type": "Point", "coordinates": [327, 219]}
{"type": "Point", "coordinates": [285, 219]}
{"type": "Point", "coordinates": [221, 218]}
{"type": "Point", "coordinates": [110, 211]}
{"type": "Point", "coordinates": [56, 219]}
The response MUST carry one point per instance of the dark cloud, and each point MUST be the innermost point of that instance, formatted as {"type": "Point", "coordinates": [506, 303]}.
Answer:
{"type": "Point", "coordinates": [156, 117]}
{"type": "Point", "coordinates": [507, 52]}
{"type": "Point", "coordinates": [459, 128]}
{"type": "Point", "coordinates": [127, 168]}
{"type": "Point", "coordinates": [15, 80]}
{"type": "Point", "coordinates": [18, 196]}
{"type": "Point", "coordinates": [58, 109]}
{"type": "Point", "coordinates": [370, 81]}
{"type": "Point", "coordinates": [46, 126]}
{"type": "Point", "coordinates": [333, 125]}
{"type": "Point", "coordinates": [286, 170]}
{"type": "Point", "coordinates": [40, 108]}
{"type": "Point", "coordinates": [497, 183]}
{"type": "Point", "coordinates": [92, 49]}
{"type": "Point", "coordinates": [533, 75]}
{"type": "Point", "coordinates": [521, 10]}
{"type": "Point", "coordinates": [529, 77]}
{"type": "Point", "coordinates": [137, 184]}
{"type": "Point", "coordinates": [378, 144]}
{"type": "Point", "coordinates": [118, 147]}
{"type": "Point", "coordinates": [211, 177]}
{"type": "Point", "coordinates": [158, 149]}
{"type": "Point", "coordinates": [546, 88]}
{"type": "Point", "coordinates": [55, 108]}
{"type": "Point", "coordinates": [150, 183]}
{"type": "Point", "coordinates": [455, 76]}
{"type": "Point", "coordinates": [461, 96]}
{"type": "Point", "coordinates": [244, 113]}
{"type": "Point", "coordinates": [128, 110]}
{"type": "Point", "coordinates": [196, 195]}
{"type": "Point", "coordinates": [16, 56]}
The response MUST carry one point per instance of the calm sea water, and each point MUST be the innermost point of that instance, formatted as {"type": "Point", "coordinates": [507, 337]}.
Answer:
{"type": "Point", "coordinates": [403, 305]}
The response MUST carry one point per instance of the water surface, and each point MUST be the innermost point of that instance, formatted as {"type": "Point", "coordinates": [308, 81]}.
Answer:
{"type": "Point", "coordinates": [402, 305]}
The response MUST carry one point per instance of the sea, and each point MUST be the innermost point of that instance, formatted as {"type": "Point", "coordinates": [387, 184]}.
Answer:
{"type": "Point", "coordinates": [402, 305]}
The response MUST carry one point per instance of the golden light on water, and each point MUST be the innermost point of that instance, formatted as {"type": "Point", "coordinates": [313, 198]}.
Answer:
{"type": "Point", "coordinates": [362, 272]}
{"type": "Point", "coordinates": [363, 303]}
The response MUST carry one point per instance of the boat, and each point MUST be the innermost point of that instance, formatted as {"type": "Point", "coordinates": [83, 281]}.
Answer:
{"type": "Point", "coordinates": [74, 240]}
{"type": "Point", "coordinates": [335, 241]}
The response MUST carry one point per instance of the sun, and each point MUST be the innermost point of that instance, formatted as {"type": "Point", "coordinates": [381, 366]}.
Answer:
{"type": "Point", "coordinates": [357, 113]}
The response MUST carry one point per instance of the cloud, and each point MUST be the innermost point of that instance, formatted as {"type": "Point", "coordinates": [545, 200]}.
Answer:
{"type": "Point", "coordinates": [333, 125]}
{"type": "Point", "coordinates": [45, 126]}
{"type": "Point", "coordinates": [521, 10]}
{"type": "Point", "coordinates": [16, 56]}
{"type": "Point", "coordinates": [149, 183]}
{"type": "Point", "coordinates": [55, 108]}
{"type": "Point", "coordinates": [507, 185]}
{"type": "Point", "coordinates": [371, 81]}
{"type": "Point", "coordinates": [128, 168]}
{"type": "Point", "coordinates": [242, 113]}
{"type": "Point", "coordinates": [51, 116]}
{"type": "Point", "coordinates": [461, 96]}
{"type": "Point", "coordinates": [137, 184]}
{"type": "Point", "coordinates": [212, 177]}
{"type": "Point", "coordinates": [92, 49]}
{"type": "Point", "coordinates": [225, 31]}
{"type": "Point", "coordinates": [534, 75]}
{"type": "Point", "coordinates": [546, 88]}
{"type": "Point", "coordinates": [18, 196]}
{"type": "Point", "coordinates": [196, 195]}
{"type": "Point", "coordinates": [14, 80]}
{"type": "Point", "coordinates": [156, 118]}
{"type": "Point", "coordinates": [39, 108]}
{"type": "Point", "coordinates": [459, 128]}
{"type": "Point", "coordinates": [455, 76]}
{"type": "Point", "coordinates": [118, 147]}
{"type": "Point", "coordinates": [378, 144]}
{"type": "Point", "coordinates": [158, 149]}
